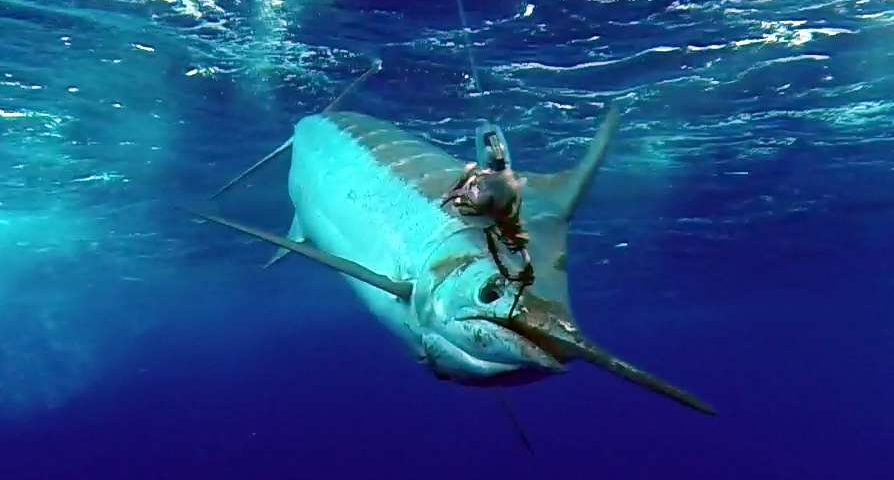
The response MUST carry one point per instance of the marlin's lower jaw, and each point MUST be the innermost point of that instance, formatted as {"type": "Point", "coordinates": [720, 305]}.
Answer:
{"type": "Point", "coordinates": [450, 362]}
{"type": "Point", "coordinates": [491, 341]}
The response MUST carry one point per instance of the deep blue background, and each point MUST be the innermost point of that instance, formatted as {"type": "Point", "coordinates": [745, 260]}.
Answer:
{"type": "Point", "coordinates": [751, 183]}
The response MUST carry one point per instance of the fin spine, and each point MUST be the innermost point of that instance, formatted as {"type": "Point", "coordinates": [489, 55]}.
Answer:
{"type": "Point", "coordinates": [374, 68]}
{"type": "Point", "coordinates": [402, 290]}
{"type": "Point", "coordinates": [579, 179]}
{"type": "Point", "coordinates": [260, 163]}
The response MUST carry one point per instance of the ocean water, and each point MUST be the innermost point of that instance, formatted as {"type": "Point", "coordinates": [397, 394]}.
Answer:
{"type": "Point", "coordinates": [738, 241]}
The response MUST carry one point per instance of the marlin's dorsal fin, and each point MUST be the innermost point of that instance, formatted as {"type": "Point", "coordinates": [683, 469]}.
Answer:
{"type": "Point", "coordinates": [402, 290]}
{"type": "Point", "coordinates": [566, 189]}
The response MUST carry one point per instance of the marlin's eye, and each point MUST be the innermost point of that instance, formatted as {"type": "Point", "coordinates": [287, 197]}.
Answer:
{"type": "Point", "coordinates": [491, 291]}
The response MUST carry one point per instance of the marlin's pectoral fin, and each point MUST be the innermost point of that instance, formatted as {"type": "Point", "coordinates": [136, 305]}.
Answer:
{"type": "Point", "coordinates": [257, 165]}
{"type": "Point", "coordinates": [296, 234]}
{"type": "Point", "coordinates": [402, 290]}
{"type": "Point", "coordinates": [374, 68]}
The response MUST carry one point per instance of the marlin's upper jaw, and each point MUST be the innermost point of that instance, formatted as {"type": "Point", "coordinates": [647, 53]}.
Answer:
{"type": "Point", "coordinates": [474, 351]}
{"type": "Point", "coordinates": [527, 353]}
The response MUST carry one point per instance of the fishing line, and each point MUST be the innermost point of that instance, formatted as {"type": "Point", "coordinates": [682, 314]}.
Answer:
{"type": "Point", "coordinates": [462, 16]}
{"type": "Point", "coordinates": [477, 85]}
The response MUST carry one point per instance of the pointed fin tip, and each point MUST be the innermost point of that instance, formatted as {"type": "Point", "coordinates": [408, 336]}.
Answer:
{"type": "Point", "coordinates": [277, 256]}
{"type": "Point", "coordinates": [372, 70]}
{"type": "Point", "coordinates": [402, 290]}
{"type": "Point", "coordinates": [578, 179]}
{"type": "Point", "coordinates": [248, 171]}
{"type": "Point", "coordinates": [566, 189]}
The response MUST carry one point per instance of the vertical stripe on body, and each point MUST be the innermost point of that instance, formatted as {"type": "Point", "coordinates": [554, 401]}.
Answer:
{"type": "Point", "coordinates": [369, 192]}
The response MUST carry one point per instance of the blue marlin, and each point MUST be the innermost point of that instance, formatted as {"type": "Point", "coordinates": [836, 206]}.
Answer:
{"type": "Point", "coordinates": [367, 202]}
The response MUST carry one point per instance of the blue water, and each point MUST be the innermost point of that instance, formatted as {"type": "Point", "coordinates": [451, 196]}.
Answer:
{"type": "Point", "coordinates": [738, 242]}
